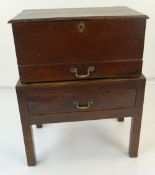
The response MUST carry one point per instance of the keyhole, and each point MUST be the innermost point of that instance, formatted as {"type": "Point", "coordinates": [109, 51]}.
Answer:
{"type": "Point", "coordinates": [81, 27]}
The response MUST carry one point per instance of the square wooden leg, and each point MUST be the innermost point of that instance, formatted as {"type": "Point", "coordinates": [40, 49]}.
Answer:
{"type": "Point", "coordinates": [135, 135]}
{"type": "Point", "coordinates": [26, 128]}
{"type": "Point", "coordinates": [29, 145]}
{"type": "Point", "coordinates": [136, 121]}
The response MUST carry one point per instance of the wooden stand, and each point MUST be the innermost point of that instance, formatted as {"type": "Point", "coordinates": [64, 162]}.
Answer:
{"type": "Point", "coordinates": [35, 106]}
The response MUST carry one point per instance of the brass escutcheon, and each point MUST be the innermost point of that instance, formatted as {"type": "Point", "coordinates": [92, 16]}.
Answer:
{"type": "Point", "coordinates": [81, 26]}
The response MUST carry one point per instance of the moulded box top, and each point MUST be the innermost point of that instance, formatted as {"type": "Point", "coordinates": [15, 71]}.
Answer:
{"type": "Point", "coordinates": [77, 14]}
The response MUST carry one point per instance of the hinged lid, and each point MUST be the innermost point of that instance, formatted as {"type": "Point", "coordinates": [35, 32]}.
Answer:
{"type": "Point", "coordinates": [76, 14]}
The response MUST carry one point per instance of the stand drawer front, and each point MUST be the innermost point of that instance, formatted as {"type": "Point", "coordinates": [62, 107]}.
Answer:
{"type": "Point", "coordinates": [79, 41]}
{"type": "Point", "coordinates": [62, 72]}
{"type": "Point", "coordinates": [79, 98]}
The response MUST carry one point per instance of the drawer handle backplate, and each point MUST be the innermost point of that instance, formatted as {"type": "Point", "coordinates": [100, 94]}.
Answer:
{"type": "Point", "coordinates": [74, 70]}
{"type": "Point", "coordinates": [83, 107]}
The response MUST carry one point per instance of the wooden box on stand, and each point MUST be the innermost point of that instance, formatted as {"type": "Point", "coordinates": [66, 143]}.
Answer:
{"type": "Point", "coordinates": [79, 64]}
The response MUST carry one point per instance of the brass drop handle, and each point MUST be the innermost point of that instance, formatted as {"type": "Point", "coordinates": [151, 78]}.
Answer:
{"type": "Point", "coordinates": [75, 71]}
{"type": "Point", "coordinates": [82, 107]}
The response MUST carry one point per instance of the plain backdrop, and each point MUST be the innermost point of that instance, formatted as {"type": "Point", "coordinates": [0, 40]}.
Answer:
{"type": "Point", "coordinates": [9, 8]}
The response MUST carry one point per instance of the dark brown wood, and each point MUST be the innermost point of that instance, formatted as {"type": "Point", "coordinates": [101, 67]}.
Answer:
{"type": "Point", "coordinates": [76, 13]}
{"type": "Point", "coordinates": [81, 116]}
{"type": "Point", "coordinates": [105, 88]}
{"type": "Point", "coordinates": [50, 99]}
{"type": "Point", "coordinates": [136, 122]}
{"type": "Point", "coordinates": [40, 43]}
{"type": "Point", "coordinates": [61, 72]}
{"type": "Point", "coordinates": [47, 49]}
{"type": "Point", "coordinates": [61, 100]}
{"type": "Point", "coordinates": [27, 130]}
